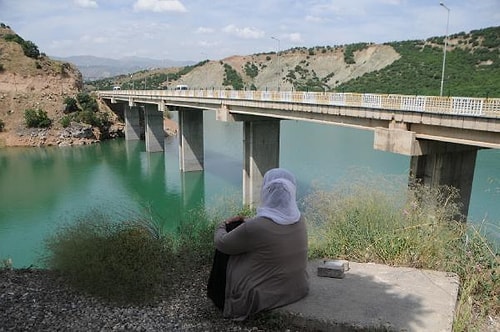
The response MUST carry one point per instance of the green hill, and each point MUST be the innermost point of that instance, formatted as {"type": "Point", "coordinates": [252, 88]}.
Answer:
{"type": "Point", "coordinates": [404, 67]}
{"type": "Point", "coordinates": [472, 67]}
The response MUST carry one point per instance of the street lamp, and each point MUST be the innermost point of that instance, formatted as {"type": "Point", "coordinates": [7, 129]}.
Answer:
{"type": "Point", "coordinates": [278, 57]}
{"type": "Point", "coordinates": [445, 45]}
{"type": "Point", "coordinates": [206, 67]}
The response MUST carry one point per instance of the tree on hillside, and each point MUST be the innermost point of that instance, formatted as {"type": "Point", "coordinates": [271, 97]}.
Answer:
{"type": "Point", "coordinates": [37, 118]}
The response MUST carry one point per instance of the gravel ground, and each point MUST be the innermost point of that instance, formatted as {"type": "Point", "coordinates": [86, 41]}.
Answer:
{"type": "Point", "coordinates": [39, 300]}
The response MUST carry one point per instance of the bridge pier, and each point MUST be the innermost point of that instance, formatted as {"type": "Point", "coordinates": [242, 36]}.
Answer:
{"type": "Point", "coordinates": [132, 123]}
{"type": "Point", "coordinates": [191, 144]}
{"type": "Point", "coordinates": [155, 134]}
{"type": "Point", "coordinates": [447, 164]}
{"type": "Point", "coordinates": [261, 153]}
{"type": "Point", "coordinates": [432, 163]}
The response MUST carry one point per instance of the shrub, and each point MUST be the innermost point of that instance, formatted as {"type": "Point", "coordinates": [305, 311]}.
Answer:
{"type": "Point", "coordinates": [92, 118]}
{"type": "Point", "coordinates": [29, 48]}
{"type": "Point", "coordinates": [71, 105]}
{"type": "Point", "coordinates": [87, 102]}
{"type": "Point", "coordinates": [2, 125]}
{"type": "Point", "coordinates": [251, 70]}
{"type": "Point", "coordinates": [121, 262]}
{"type": "Point", "coordinates": [36, 118]}
{"type": "Point", "coordinates": [65, 121]}
{"type": "Point", "coordinates": [232, 78]}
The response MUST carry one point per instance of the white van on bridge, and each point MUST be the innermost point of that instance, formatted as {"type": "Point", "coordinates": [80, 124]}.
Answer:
{"type": "Point", "coordinates": [181, 87]}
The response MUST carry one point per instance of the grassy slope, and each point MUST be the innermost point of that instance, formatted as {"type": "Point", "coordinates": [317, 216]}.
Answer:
{"type": "Point", "coordinates": [472, 67]}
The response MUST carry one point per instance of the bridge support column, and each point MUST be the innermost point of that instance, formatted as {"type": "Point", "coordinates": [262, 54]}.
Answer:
{"type": "Point", "coordinates": [191, 144]}
{"type": "Point", "coordinates": [261, 153]}
{"type": "Point", "coordinates": [132, 123]}
{"type": "Point", "coordinates": [447, 164]}
{"type": "Point", "coordinates": [155, 134]}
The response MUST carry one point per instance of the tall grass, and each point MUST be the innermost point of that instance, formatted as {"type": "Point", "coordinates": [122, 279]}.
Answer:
{"type": "Point", "coordinates": [121, 262]}
{"type": "Point", "coordinates": [134, 261]}
{"type": "Point", "coordinates": [403, 226]}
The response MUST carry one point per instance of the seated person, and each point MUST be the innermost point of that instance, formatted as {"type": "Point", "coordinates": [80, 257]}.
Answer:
{"type": "Point", "coordinates": [266, 254]}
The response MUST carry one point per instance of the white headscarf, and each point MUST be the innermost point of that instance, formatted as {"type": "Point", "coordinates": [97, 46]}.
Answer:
{"type": "Point", "coordinates": [278, 197]}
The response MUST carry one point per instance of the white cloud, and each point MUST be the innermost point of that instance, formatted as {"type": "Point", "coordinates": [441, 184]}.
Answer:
{"type": "Point", "coordinates": [57, 26]}
{"type": "Point", "coordinates": [247, 32]}
{"type": "Point", "coordinates": [295, 37]}
{"type": "Point", "coordinates": [207, 44]}
{"type": "Point", "coordinates": [315, 19]}
{"type": "Point", "coordinates": [204, 30]}
{"type": "Point", "coordinates": [93, 40]}
{"type": "Point", "coordinates": [159, 6]}
{"type": "Point", "coordinates": [86, 3]}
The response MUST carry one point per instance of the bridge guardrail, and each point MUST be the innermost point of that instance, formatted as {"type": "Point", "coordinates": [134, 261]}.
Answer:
{"type": "Point", "coordinates": [469, 106]}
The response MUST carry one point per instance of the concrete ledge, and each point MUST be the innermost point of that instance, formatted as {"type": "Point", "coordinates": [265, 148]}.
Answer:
{"type": "Point", "coordinates": [375, 297]}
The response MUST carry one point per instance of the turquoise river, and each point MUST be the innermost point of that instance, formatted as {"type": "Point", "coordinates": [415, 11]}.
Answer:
{"type": "Point", "coordinates": [44, 188]}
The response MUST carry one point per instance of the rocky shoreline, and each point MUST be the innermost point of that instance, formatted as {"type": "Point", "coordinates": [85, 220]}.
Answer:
{"type": "Point", "coordinates": [39, 300]}
{"type": "Point", "coordinates": [74, 135]}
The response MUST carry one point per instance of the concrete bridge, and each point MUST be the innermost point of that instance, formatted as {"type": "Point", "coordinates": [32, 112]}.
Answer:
{"type": "Point", "coordinates": [441, 134]}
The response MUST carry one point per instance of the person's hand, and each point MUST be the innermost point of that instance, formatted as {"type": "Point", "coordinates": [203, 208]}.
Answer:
{"type": "Point", "coordinates": [233, 219]}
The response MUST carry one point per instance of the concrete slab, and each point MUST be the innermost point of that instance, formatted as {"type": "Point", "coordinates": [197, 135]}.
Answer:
{"type": "Point", "coordinates": [377, 297]}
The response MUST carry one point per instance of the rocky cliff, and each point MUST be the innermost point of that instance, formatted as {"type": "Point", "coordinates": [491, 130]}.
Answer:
{"type": "Point", "coordinates": [31, 80]}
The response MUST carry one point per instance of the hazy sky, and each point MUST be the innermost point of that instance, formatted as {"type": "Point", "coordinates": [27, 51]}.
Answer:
{"type": "Point", "coordinates": [215, 29]}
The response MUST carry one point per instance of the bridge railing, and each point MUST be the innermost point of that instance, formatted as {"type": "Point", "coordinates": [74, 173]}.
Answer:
{"type": "Point", "coordinates": [483, 107]}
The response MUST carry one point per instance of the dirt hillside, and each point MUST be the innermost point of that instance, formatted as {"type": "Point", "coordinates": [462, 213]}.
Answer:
{"type": "Point", "coordinates": [292, 67]}
{"type": "Point", "coordinates": [37, 82]}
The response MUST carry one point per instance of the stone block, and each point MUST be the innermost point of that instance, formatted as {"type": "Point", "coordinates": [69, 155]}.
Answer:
{"type": "Point", "coordinates": [333, 269]}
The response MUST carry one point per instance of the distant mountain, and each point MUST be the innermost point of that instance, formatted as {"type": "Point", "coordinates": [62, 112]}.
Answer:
{"type": "Point", "coordinates": [94, 68]}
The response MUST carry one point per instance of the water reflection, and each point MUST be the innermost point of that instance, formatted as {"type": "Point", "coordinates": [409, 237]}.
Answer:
{"type": "Point", "coordinates": [193, 189]}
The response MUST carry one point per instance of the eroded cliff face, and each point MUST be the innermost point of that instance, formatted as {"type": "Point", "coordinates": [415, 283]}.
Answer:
{"type": "Point", "coordinates": [294, 66]}
{"type": "Point", "coordinates": [35, 83]}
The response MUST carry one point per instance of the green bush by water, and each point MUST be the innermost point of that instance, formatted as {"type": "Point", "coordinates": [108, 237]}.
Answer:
{"type": "Point", "coordinates": [121, 262]}
{"type": "Point", "coordinates": [134, 261]}
{"type": "Point", "coordinates": [36, 118]}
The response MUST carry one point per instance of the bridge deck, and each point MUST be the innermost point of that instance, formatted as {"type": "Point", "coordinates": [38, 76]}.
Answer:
{"type": "Point", "coordinates": [461, 120]}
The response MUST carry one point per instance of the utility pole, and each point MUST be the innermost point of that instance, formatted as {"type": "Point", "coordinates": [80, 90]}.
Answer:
{"type": "Point", "coordinates": [278, 58]}
{"type": "Point", "coordinates": [445, 46]}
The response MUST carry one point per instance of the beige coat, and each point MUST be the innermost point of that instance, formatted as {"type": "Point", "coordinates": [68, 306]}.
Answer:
{"type": "Point", "coordinates": [267, 267]}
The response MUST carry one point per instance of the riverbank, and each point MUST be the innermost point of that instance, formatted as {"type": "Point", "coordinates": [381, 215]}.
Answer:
{"type": "Point", "coordinates": [78, 134]}
{"type": "Point", "coordinates": [39, 300]}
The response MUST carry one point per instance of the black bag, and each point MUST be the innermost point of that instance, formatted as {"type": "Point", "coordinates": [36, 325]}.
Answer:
{"type": "Point", "coordinates": [216, 287]}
